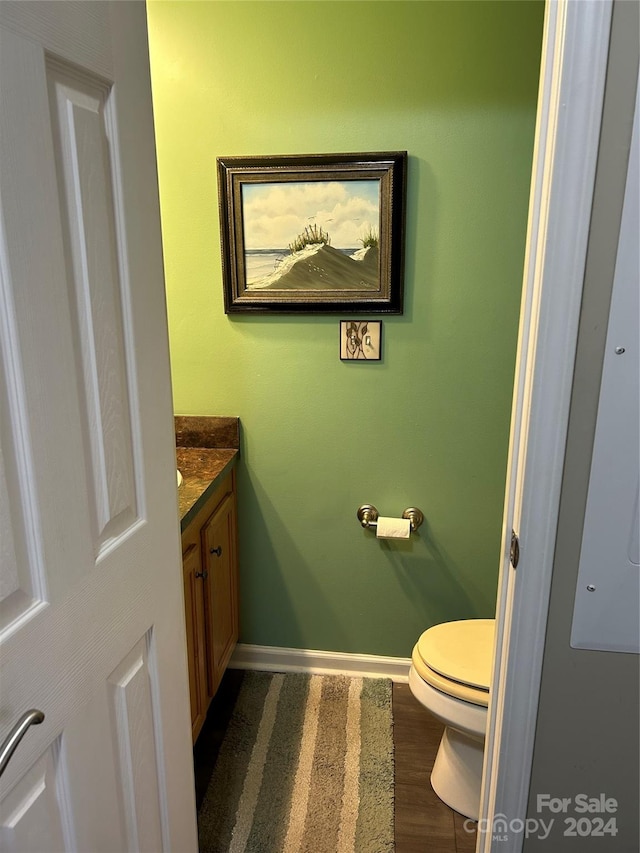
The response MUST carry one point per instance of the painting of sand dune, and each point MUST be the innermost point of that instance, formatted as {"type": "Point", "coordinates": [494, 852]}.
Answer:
{"type": "Point", "coordinates": [321, 267]}
{"type": "Point", "coordinates": [315, 235]}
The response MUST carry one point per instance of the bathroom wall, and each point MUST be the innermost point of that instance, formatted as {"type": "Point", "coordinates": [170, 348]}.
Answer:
{"type": "Point", "coordinates": [454, 84]}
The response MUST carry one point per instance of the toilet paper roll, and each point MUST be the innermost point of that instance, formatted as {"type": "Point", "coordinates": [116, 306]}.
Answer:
{"type": "Point", "coordinates": [393, 528]}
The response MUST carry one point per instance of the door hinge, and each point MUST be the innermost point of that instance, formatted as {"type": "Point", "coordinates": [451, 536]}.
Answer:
{"type": "Point", "coordinates": [514, 553]}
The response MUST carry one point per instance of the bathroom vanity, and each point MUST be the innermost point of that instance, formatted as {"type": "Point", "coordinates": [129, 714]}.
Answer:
{"type": "Point", "coordinates": [208, 518]}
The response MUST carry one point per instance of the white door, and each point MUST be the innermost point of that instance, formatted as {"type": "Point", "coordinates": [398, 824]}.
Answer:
{"type": "Point", "coordinates": [91, 613]}
{"type": "Point", "coordinates": [572, 81]}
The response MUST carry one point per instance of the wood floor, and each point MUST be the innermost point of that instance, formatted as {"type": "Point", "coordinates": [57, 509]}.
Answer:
{"type": "Point", "coordinates": [423, 823]}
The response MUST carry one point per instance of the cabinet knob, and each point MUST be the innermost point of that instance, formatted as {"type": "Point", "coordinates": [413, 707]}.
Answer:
{"type": "Point", "coordinates": [202, 575]}
{"type": "Point", "coordinates": [217, 551]}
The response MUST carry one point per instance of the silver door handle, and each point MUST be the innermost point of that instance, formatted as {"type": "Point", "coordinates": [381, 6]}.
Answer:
{"type": "Point", "coordinates": [30, 718]}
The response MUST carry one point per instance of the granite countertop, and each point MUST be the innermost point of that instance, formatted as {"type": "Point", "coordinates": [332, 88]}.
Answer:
{"type": "Point", "coordinates": [201, 461]}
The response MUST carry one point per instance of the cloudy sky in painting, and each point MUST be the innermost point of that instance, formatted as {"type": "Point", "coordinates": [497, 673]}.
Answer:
{"type": "Point", "coordinates": [274, 214]}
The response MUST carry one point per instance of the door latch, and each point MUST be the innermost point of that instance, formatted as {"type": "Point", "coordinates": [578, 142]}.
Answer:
{"type": "Point", "coordinates": [514, 553]}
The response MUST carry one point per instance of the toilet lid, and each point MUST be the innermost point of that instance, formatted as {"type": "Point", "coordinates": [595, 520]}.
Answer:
{"type": "Point", "coordinates": [461, 651]}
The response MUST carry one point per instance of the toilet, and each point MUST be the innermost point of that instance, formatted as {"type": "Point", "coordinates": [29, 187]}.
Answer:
{"type": "Point", "coordinates": [450, 675]}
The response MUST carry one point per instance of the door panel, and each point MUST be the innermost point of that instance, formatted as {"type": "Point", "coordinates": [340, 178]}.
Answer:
{"type": "Point", "coordinates": [35, 440]}
{"type": "Point", "coordinates": [132, 707]}
{"type": "Point", "coordinates": [86, 153]}
{"type": "Point", "coordinates": [34, 814]}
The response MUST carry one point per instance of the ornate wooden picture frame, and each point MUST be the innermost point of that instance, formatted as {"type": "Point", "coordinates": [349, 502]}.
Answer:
{"type": "Point", "coordinates": [323, 233]}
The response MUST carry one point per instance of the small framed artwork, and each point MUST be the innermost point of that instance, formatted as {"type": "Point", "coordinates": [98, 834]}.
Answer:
{"type": "Point", "coordinates": [322, 233]}
{"type": "Point", "coordinates": [360, 340]}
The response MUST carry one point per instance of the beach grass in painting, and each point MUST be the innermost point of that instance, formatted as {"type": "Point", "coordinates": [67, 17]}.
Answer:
{"type": "Point", "coordinates": [311, 235]}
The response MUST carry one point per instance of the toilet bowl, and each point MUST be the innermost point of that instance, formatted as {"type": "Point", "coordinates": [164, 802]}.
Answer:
{"type": "Point", "coordinates": [450, 675]}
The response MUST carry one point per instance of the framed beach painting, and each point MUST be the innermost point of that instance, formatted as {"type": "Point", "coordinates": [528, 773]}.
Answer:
{"type": "Point", "coordinates": [322, 233]}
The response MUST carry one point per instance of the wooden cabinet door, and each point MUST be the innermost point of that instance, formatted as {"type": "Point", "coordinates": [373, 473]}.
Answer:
{"type": "Point", "coordinates": [196, 653]}
{"type": "Point", "coordinates": [219, 539]}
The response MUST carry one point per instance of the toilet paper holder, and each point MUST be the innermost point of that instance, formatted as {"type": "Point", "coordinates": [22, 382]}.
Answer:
{"type": "Point", "coordinates": [368, 517]}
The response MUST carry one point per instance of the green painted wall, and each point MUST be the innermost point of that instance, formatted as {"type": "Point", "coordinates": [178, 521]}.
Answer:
{"type": "Point", "coordinates": [455, 84]}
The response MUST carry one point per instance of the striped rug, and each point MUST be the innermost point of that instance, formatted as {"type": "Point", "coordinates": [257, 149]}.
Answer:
{"type": "Point", "coordinates": [306, 766]}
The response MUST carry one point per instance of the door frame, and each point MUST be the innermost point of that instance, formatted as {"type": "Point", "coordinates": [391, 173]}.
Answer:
{"type": "Point", "coordinates": [570, 100]}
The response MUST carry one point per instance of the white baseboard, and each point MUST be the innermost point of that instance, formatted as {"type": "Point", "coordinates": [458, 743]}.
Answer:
{"type": "Point", "coordinates": [277, 659]}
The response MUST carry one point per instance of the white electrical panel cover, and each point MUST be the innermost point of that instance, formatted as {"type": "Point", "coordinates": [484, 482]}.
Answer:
{"type": "Point", "coordinates": [606, 612]}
